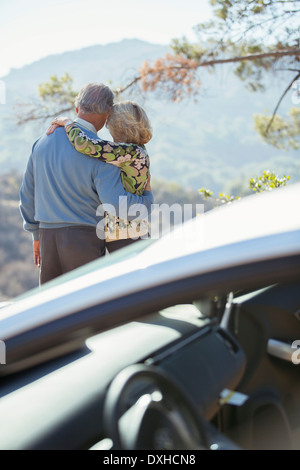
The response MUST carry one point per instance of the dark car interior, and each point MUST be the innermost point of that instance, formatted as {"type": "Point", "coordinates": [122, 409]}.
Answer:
{"type": "Point", "coordinates": [215, 372]}
{"type": "Point", "coordinates": [266, 323]}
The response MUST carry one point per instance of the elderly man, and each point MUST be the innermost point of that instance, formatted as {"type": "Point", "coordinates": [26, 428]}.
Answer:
{"type": "Point", "coordinates": [62, 190]}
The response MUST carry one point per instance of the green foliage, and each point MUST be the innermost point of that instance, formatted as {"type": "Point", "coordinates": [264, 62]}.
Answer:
{"type": "Point", "coordinates": [206, 193]}
{"type": "Point", "coordinates": [56, 96]}
{"type": "Point", "coordinates": [58, 90]}
{"type": "Point", "coordinates": [219, 200]}
{"type": "Point", "coordinates": [267, 182]}
{"type": "Point", "coordinates": [245, 28]}
{"type": "Point", "coordinates": [259, 37]}
{"type": "Point", "coordinates": [275, 17]}
{"type": "Point", "coordinates": [190, 51]}
{"type": "Point", "coordinates": [284, 133]}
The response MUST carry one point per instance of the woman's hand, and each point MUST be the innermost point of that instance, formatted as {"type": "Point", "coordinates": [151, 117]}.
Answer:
{"type": "Point", "coordinates": [57, 122]}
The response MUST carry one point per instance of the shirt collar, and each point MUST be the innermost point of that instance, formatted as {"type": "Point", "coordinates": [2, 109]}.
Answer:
{"type": "Point", "coordinates": [87, 125]}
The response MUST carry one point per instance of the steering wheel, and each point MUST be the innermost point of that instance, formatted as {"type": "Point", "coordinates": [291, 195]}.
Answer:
{"type": "Point", "coordinates": [146, 409]}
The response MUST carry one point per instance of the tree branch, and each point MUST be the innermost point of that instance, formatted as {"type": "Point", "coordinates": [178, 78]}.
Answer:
{"type": "Point", "coordinates": [221, 61]}
{"type": "Point", "coordinates": [279, 101]}
{"type": "Point", "coordinates": [251, 57]}
{"type": "Point", "coordinates": [31, 116]}
{"type": "Point", "coordinates": [118, 91]}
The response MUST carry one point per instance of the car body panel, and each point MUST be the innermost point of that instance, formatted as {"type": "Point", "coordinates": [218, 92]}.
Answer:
{"type": "Point", "coordinates": [67, 340]}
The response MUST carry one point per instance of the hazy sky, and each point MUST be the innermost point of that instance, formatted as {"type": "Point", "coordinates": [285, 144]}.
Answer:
{"type": "Point", "coordinates": [31, 29]}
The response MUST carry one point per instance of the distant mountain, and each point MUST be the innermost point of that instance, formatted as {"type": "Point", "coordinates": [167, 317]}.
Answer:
{"type": "Point", "coordinates": [207, 143]}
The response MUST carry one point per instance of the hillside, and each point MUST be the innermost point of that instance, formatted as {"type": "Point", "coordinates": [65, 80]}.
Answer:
{"type": "Point", "coordinates": [17, 271]}
{"type": "Point", "coordinates": [209, 143]}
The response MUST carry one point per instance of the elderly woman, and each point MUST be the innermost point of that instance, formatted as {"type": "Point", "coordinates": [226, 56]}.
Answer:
{"type": "Point", "coordinates": [128, 123]}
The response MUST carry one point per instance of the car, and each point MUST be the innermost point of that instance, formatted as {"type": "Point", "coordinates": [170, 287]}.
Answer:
{"type": "Point", "coordinates": [181, 343]}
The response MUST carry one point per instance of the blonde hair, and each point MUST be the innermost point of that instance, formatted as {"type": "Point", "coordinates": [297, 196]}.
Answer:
{"type": "Point", "coordinates": [127, 122]}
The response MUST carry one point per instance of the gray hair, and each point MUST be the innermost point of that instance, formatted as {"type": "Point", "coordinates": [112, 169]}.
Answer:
{"type": "Point", "coordinates": [94, 98]}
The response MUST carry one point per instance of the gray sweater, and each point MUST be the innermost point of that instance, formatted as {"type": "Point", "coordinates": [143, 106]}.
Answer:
{"type": "Point", "coordinates": [62, 187]}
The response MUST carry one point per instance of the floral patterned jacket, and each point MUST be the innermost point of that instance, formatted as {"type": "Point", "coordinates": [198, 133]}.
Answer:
{"type": "Point", "coordinates": [133, 161]}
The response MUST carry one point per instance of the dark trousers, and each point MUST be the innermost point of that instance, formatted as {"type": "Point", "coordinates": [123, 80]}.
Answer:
{"type": "Point", "coordinates": [67, 248]}
{"type": "Point", "coordinates": [117, 244]}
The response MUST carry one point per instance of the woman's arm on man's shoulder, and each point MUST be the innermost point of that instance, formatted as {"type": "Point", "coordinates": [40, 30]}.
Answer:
{"type": "Point", "coordinates": [132, 159]}
{"type": "Point", "coordinates": [119, 154]}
